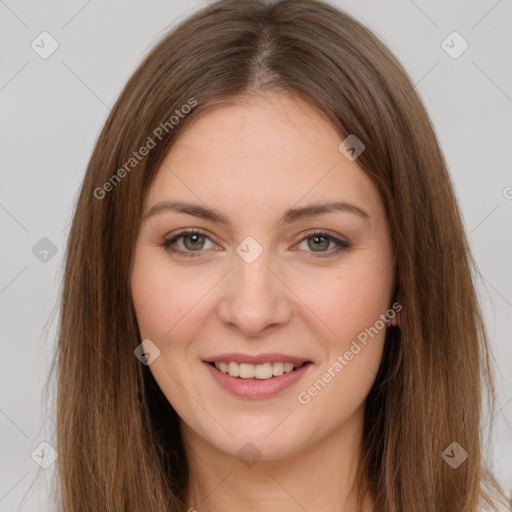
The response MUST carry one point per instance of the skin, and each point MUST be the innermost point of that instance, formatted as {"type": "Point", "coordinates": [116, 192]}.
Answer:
{"type": "Point", "coordinates": [252, 160]}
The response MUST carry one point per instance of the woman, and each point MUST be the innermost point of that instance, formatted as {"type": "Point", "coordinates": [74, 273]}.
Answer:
{"type": "Point", "coordinates": [268, 285]}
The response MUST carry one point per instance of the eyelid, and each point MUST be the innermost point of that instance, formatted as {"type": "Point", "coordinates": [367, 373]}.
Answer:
{"type": "Point", "coordinates": [188, 231]}
{"type": "Point", "coordinates": [169, 239]}
{"type": "Point", "coordinates": [341, 243]}
{"type": "Point", "coordinates": [320, 231]}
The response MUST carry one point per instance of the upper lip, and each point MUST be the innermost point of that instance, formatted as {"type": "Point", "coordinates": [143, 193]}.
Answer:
{"type": "Point", "coordinates": [257, 359]}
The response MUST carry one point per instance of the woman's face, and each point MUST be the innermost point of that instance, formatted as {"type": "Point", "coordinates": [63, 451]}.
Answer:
{"type": "Point", "coordinates": [262, 282]}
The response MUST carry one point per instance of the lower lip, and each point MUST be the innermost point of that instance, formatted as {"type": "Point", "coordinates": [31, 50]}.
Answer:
{"type": "Point", "coordinates": [257, 388]}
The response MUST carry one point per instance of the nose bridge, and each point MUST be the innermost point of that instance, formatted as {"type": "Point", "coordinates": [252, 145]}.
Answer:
{"type": "Point", "coordinates": [254, 298]}
{"type": "Point", "coordinates": [251, 262]}
{"type": "Point", "coordinates": [253, 276]}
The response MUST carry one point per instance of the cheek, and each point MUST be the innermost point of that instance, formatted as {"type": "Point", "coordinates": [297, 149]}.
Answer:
{"type": "Point", "coordinates": [162, 299]}
{"type": "Point", "coordinates": [351, 307]}
{"type": "Point", "coordinates": [347, 300]}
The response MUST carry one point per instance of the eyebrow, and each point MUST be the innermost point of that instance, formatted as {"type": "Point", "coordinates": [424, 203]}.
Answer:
{"type": "Point", "coordinates": [289, 216]}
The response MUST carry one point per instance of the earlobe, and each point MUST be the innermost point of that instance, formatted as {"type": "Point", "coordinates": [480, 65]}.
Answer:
{"type": "Point", "coordinates": [393, 314]}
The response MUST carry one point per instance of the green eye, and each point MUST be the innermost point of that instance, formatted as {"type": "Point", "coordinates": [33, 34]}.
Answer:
{"type": "Point", "coordinates": [319, 242]}
{"type": "Point", "coordinates": [194, 240]}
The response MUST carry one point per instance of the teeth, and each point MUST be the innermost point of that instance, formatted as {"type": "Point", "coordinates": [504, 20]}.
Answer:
{"type": "Point", "coordinates": [233, 369]}
{"type": "Point", "coordinates": [247, 371]}
{"type": "Point", "coordinates": [259, 371]}
{"type": "Point", "coordinates": [278, 369]}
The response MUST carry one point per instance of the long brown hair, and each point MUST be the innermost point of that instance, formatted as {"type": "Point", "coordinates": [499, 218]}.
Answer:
{"type": "Point", "coordinates": [118, 438]}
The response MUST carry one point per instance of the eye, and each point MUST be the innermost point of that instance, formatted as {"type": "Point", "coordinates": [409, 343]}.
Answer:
{"type": "Point", "coordinates": [193, 241]}
{"type": "Point", "coordinates": [322, 241]}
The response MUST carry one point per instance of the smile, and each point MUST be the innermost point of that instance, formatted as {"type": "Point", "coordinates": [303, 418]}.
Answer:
{"type": "Point", "coordinates": [258, 371]}
{"type": "Point", "coordinates": [256, 381]}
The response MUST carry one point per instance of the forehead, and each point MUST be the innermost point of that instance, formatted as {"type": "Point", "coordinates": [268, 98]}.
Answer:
{"type": "Point", "coordinates": [276, 150]}
{"type": "Point", "coordinates": [259, 130]}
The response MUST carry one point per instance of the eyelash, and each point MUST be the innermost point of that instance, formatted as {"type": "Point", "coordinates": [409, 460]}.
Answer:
{"type": "Point", "coordinates": [341, 244]}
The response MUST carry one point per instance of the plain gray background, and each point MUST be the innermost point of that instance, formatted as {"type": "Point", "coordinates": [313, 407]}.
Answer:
{"type": "Point", "coordinates": [52, 111]}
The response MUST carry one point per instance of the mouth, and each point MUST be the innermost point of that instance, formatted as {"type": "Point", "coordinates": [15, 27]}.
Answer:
{"type": "Point", "coordinates": [256, 381]}
{"type": "Point", "coordinates": [264, 371]}
{"type": "Point", "coordinates": [256, 376]}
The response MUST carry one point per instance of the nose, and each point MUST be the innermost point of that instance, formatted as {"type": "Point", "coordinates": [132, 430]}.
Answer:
{"type": "Point", "coordinates": [255, 300]}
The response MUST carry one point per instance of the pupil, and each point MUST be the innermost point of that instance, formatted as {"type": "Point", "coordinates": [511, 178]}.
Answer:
{"type": "Point", "coordinates": [321, 246]}
{"type": "Point", "coordinates": [194, 239]}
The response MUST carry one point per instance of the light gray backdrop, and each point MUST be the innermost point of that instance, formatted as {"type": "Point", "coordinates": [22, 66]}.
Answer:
{"type": "Point", "coordinates": [52, 106]}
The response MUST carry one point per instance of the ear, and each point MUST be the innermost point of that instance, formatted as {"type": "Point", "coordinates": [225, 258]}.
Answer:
{"type": "Point", "coordinates": [393, 314]}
